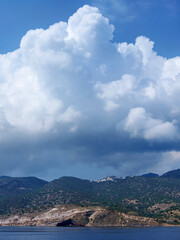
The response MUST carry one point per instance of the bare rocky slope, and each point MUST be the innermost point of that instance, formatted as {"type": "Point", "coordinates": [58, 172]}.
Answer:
{"type": "Point", "coordinates": [75, 216]}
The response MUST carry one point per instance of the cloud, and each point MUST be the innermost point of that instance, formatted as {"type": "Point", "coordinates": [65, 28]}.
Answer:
{"type": "Point", "coordinates": [113, 91]}
{"type": "Point", "coordinates": [71, 95]}
{"type": "Point", "coordinates": [140, 124]}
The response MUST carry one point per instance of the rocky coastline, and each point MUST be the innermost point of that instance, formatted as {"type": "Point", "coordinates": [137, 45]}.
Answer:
{"type": "Point", "coordinates": [75, 216]}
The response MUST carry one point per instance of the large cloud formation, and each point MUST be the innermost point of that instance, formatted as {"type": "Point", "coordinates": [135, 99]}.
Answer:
{"type": "Point", "coordinates": [70, 94]}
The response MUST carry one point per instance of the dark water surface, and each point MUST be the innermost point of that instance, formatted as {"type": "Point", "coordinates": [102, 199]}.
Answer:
{"type": "Point", "coordinates": [44, 233]}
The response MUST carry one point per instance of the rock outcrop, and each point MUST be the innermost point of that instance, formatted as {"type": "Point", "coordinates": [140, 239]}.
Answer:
{"type": "Point", "coordinates": [75, 216]}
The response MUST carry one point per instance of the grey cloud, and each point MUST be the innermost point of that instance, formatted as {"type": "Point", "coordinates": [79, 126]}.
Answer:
{"type": "Point", "coordinates": [69, 95]}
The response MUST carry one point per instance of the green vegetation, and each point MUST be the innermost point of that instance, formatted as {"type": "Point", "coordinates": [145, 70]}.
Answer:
{"type": "Point", "coordinates": [156, 197]}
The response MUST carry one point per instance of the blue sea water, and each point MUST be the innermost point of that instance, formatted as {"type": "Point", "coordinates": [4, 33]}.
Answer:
{"type": "Point", "coordinates": [44, 233]}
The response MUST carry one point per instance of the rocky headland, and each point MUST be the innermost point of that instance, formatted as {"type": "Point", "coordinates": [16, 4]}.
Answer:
{"type": "Point", "coordinates": [75, 216]}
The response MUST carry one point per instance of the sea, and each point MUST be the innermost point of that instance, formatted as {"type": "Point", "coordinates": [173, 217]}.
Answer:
{"type": "Point", "coordinates": [46, 233]}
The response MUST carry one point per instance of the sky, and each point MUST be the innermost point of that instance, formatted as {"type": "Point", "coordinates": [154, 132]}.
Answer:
{"type": "Point", "coordinates": [89, 88]}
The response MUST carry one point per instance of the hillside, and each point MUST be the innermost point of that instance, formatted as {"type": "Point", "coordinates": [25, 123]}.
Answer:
{"type": "Point", "coordinates": [145, 196]}
{"type": "Point", "coordinates": [76, 216]}
{"type": "Point", "coordinates": [19, 185]}
{"type": "Point", "coordinates": [150, 175]}
{"type": "Point", "coordinates": [172, 174]}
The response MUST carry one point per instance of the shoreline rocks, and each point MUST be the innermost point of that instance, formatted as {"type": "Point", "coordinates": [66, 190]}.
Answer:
{"type": "Point", "coordinates": [75, 216]}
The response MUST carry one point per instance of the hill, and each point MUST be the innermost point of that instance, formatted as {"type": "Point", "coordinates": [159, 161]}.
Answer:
{"type": "Point", "coordinates": [172, 174]}
{"type": "Point", "coordinates": [150, 175]}
{"type": "Point", "coordinates": [154, 197]}
{"type": "Point", "coordinates": [10, 186]}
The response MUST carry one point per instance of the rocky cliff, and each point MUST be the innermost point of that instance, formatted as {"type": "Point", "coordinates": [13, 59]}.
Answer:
{"type": "Point", "coordinates": [75, 216]}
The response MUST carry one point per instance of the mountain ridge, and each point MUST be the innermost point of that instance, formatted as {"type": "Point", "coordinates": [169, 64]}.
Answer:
{"type": "Point", "coordinates": [175, 172]}
{"type": "Point", "coordinates": [156, 197]}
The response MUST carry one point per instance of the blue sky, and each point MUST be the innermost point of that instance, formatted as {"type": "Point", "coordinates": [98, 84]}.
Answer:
{"type": "Point", "coordinates": [158, 20]}
{"type": "Point", "coordinates": [93, 95]}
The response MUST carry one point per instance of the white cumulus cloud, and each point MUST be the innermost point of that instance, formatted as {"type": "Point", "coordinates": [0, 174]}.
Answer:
{"type": "Point", "coordinates": [72, 84]}
{"type": "Point", "coordinates": [140, 124]}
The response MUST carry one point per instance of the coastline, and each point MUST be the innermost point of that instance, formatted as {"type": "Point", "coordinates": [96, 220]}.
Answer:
{"type": "Point", "coordinates": [75, 216]}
